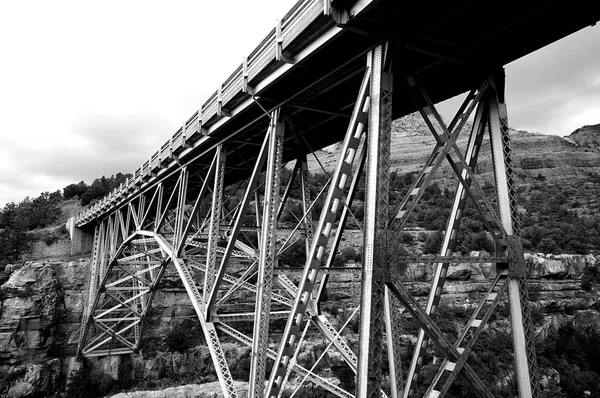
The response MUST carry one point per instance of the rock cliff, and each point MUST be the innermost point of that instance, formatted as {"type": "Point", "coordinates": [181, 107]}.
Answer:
{"type": "Point", "coordinates": [41, 307]}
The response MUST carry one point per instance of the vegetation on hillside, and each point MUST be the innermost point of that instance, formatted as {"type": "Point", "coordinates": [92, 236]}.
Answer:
{"type": "Point", "coordinates": [561, 219]}
{"type": "Point", "coordinates": [100, 187]}
{"type": "Point", "coordinates": [16, 219]}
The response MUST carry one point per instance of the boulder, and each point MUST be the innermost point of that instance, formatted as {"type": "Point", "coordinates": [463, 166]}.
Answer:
{"type": "Point", "coordinates": [562, 266]}
{"type": "Point", "coordinates": [542, 267]}
{"type": "Point", "coordinates": [459, 271]}
{"type": "Point", "coordinates": [38, 379]}
{"type": "Point", "coordinates": [419, 272]}
{"type": "Point", "coordinates": [11, 267]}
{"type": "Point", "coordinates": [549, 379]}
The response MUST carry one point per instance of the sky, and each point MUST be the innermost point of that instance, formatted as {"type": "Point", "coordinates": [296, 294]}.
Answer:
{"type": "Point", "coordinates": [94, 88]}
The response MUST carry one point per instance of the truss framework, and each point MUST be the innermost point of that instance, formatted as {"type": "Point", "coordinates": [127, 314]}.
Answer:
{"type": "Point", "coordinates": [222, 243]}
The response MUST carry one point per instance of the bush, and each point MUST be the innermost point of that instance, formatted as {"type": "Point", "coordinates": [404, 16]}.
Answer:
{"type": "Point", "coordinates": [433, 244]}
{"type": "Point", "coordinates": [575, 354]}
{"type": "Point", "coordinates": [13, 243]}
{"type": "Point", "coordinates": [84, 384]}
{"type": "Point", "coordinates": [294, 256]}
{"type": "Point", "coordinates": [534, 292]}
{"type": "Point", "coordinates": [590, 276]}
{"type": "Point", "coordinates": [73, 190]}
{"type": "Point", "coordinates": [185, 335]}
{"type": "Point", "coordinates": [99, 188]}
{"type": "Point", "coordinates": [406, 238]}
{"type": "Point", "coordinates": [349, 253]}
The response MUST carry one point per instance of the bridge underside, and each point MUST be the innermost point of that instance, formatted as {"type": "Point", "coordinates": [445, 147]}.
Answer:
{"type": "Point", "coordinates": [211, 209]}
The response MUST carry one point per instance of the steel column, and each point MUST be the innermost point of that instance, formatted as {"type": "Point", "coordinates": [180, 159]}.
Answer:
{"type": "Point", "coordinates": [522, 328]}
{"type": "Point", "coordinates": [370, 360]}
{"type": "Point", "coordinates": [267, 257]}
{"type": "Point", "coordinates": [215, 222]}
{"type": "Point", "coordinates": [341, 176]}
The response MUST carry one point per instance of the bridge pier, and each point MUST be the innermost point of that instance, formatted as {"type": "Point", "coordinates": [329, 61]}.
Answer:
{"type": "Point", "coordinates": [82, 241]}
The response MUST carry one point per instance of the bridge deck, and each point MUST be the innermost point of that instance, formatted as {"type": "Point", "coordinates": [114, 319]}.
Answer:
{"type": "Point", "coordinates": [448, 46]}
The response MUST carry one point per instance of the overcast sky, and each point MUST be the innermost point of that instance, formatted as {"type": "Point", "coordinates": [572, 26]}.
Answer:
{"type": "Point", "coordinates": [92, 88]}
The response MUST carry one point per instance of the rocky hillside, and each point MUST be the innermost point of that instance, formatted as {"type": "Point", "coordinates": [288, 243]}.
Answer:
{"type": "Point", "coordinates": [41, 306]}
{"type": "Point", "coordinates": [586, 136]}
{"type": "Point", "coordinates": [561, 159]}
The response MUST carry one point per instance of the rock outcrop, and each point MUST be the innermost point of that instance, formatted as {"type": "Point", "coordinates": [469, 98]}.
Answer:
{"type": "Point", "coordinates": [586, 136]}
{"type": "Point", "coordinates": [208, 390]}
{"type": "Point", "coordinates": [40, 314]}
{"type": "Point", "coordinates": [30, 302]}
{"type": "Point", "coordinates": [30, 299]}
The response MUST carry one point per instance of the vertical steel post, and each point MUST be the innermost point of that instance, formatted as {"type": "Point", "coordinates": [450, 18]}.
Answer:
{"type": "Point", "coordinates": [215, 221]}
{"type": "Point", "coordinates": [180, 210]}
{"type": "Point", "coordinates": [369, 373]}
{"type": "Point", "coordinates": [267, 259]}
{"type": "Point", "coordinates": [392, 346]}
{"type": "Point", "coordinates": [91, 288]}
{"type": "Point", "coordinates": [522, 329]}
{"type": "Point", "coordinates": [309, 226]}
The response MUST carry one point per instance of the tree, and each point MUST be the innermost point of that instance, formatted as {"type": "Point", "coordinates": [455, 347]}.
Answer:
{"type": "Point", "coordinates": [75, 190]}
{"type": "Point", "coordinates": [13, 243]}
{"type": "Point", "coordinates": [433, 244]}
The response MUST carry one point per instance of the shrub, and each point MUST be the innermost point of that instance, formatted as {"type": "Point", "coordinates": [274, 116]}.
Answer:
{"type": "Point", "coordinates": [349, 253]}
{"type": "Point", "coordinates": [406, 238]}
{"type": "Point", "coordinates": [294, 256]}
{"type": "Point", "coordinates": [73, 190]}
{"type": "Point", "coordinates": [575, 354]}
{"type": "Point", "coordinates": [84, 384]}
{"type": "Point", "coordinates": [185, 335]}
{"type": "Point", "coordinates": [13, 243]}
{"type": "Point", "coordinates": [534, 292]}
{"type": "Point", "coordinates": [590, 276]}
{"type": "Point", "coordinates": [433, 244]}
{"type": "Point", "coordinates": [537, 316]}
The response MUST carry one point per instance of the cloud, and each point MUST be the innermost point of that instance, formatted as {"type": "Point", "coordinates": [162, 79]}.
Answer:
{"type": "Point", "coordinates": [98, 145]}
{"type": "Point", "coordinates": [552, 90]}
{"type": "Point", "coordinates": [87, 91]}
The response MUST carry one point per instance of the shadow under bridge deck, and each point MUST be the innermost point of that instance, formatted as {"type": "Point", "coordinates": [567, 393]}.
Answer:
{"type": "Point", "coordinates": [312, 66]}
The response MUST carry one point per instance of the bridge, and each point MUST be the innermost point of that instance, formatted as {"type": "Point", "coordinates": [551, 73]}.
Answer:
{"type": "Point", "coordinates": [211, 198]}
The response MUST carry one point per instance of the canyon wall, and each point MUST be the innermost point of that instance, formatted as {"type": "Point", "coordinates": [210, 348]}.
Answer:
{"type": "Point", "coordinates": [41, 305]}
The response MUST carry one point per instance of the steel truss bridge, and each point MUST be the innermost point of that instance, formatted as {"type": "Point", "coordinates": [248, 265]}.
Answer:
{"type": "Point", "coordinates": [212, 196]}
